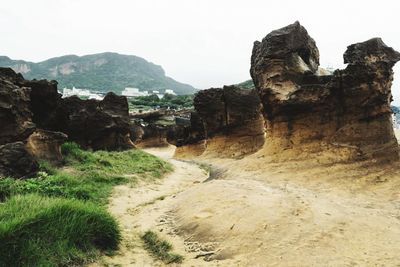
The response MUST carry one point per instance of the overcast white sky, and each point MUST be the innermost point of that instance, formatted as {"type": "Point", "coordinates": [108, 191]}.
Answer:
{"type": "Point", "coordinates": [201, 42]}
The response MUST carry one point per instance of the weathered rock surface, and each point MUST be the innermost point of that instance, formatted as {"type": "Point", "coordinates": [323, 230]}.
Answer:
{"type": "Point", "coordinates": [232, 120]}
{"type": "Point", "coordinates": [150, 129]}
{"type": "Point", "coordinates": [46, 145]}
{"type": "Point", "coordinates": [347, 113]}
{"type": "Point", "coordinates": [44, 101]}
{"type": "Point", "coordinates": [15, 115]}
{"type": "Point", "coordinates": [15, 161]}
{"type": "Point", "coordinates": [188, 136]}
{"type": "Point", "coordinates": [95, 124]}
{"type": "Point", "coordinates": [43, 96]}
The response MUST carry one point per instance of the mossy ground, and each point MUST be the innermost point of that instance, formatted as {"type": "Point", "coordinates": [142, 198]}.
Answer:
{"type": "Point", "coordinates": [58, 218]}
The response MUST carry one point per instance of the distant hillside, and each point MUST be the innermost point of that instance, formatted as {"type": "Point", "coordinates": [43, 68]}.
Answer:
{"type": "Point", "coordinates": [102, 72]}
{"type": "Point", "coordinates": [246, 84]}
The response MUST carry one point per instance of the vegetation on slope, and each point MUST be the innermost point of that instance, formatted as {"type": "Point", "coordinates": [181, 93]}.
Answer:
{"type": "Point", "coordinates": [103, 72]}
{"type": "Point", "coordinates": [246, 84]}
{"type": "Point", "coordinates": [59, 218]}
{"type": "Point", "coordinates": [152, 101]}
{"type": "Point", "coordinates": [160, 249]}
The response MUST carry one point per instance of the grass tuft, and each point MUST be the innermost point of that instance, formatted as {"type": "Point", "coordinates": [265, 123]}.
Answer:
{"type": "Point", "coordinates": [160, 248]}
{"type": "Point", "coordinates": [42, 231]}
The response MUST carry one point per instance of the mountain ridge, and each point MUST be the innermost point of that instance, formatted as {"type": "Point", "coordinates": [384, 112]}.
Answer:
{"type": "Point", "coordinates": [107, 71]}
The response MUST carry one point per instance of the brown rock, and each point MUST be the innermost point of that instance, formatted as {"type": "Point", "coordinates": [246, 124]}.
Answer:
{"type": "Point", "coordinates": [232, 120]}
{"type": "Point", "coordinates": [95, 124]}
{"type": "Point", "coordinates": [15, 161]}
{"type": "Point", "coordinates": [15, 115]}
{"type": "Point", "coordinates": [46, 145]}
{"type": "Point", "coordinates": [347, 112]}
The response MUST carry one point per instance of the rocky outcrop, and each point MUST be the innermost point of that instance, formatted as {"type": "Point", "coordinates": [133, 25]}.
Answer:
{"type": "Point", "coordinates": [46, 145]}
{"type": "Point", "coordinates": [188, 136]}
{"type": "Point", "coordinates": [150, 129]}
{"type": "Point", "coordinates": [44, 101]}
{"type": "Point", "coordinates": [95, 124]}
{"type": "Point", "coordinates": [22, 104]}
{"type": "Point", "coordinates": [15, 114]}
{"type": "Point", "coordinates": [232, 120]}
{"type": "Point", "coordinates": [15, 161]}
{"type": "Point", "coordinates": [309, 112]}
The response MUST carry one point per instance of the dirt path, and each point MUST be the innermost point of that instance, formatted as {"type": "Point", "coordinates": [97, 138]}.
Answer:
{"type": "Point", "coordinates": [147, 207]}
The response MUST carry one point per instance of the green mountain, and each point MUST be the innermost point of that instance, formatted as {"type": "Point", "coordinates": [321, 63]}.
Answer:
{"type": "Point", "coordinates": [100, 72]}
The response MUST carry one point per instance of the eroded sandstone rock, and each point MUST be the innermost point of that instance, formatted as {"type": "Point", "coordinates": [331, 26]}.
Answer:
{"type": "Point", "coordinates": [46, 145]}
{"type": "Point", "coordinates": [188, 136]}
{"type": "Point", "coordinates": [15, 115]}
{"type": "Point", "coordinates": [95, 124]}
{"type": "Point", "coordinates": [347, 112]}
{"type": "Point", "coordinates": [150, 129]}
{"type": "Point", "coordinates": [232, 120]}
{"type": "Point", "coordinates": [15, 161]}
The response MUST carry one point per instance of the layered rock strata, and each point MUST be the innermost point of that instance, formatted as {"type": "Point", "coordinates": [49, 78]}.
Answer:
{"type": "Point", "coordinates": [308, 110]}
{"type": "Point", "coordinates": [232, 120]}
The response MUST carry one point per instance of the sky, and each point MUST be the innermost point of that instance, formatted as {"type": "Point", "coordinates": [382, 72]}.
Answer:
{"type": "Point", "coordinates": [206, 43]}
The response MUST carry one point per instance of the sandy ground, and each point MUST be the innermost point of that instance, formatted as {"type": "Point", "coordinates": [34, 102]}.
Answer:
{"type": "Point", "coordinates": [148, 207]}
{"type": "Point", "coordinates": [254, 212]}
{"type": "Point", "coordinates": [296, 213]}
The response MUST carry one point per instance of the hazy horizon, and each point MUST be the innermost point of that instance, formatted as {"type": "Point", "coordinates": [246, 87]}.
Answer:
{"type": "Point", "coordinates": [202, 43]}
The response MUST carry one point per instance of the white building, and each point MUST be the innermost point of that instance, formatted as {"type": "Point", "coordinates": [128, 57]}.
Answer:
{"type": "Point", "coordinates": [96, 96]}
{"type": "Point", "coordinates": [81, 93]}
{"type": "Point", "coordinates": [75, 91]}
{"type": "Point", "coordinates": [169, 91]}
{"type": "Point", "coordinates": [132, 92]}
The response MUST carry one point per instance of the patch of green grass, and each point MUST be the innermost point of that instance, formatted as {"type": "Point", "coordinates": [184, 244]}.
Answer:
{"type": "Point", "coordinates": [91, 186]}
{"type": "Point", "coordinates": [132, 161]}
{"type": "Point", "coordinates": [160, 248]}
{"type": "Point", "coordinates": [92, 175]}
{"type": "Point", "coordinates": [58, 217]}
{"type": "Point", "coordinates": [42, 231]}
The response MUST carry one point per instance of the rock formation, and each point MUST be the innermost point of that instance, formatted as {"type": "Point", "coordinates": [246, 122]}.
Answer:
{"type": "Point", "coordinates": [232, 119]}
{"type": "Point", "coordinates": [16, 125]}
{"type": "Point", "coordinates": [94, 124]}
{"type": "Point", "coordinates": [46, 145]}
{"type": "Point", "coordinates": [33, 112]}
{"type": "Point", "coordinates": [15, 114]}
{"type": "Point", "coordinates": [15, 161]}
{"type": "Point", "coordinates": [188, 136]}
{"type": "Point", "coordinates": [347, 112]}
{"type": "Point", "coordinates": [150, 129]}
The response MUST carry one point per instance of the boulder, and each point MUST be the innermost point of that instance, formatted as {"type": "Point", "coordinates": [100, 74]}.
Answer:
{"type": "Point", "coordinates": [46, 145]}
{"type": "Point", "coordinates": [15, 115]}
{"type": "Point", "coordinates": [15, 161]}
{"type": "Point", "coordinates": [311, 111]}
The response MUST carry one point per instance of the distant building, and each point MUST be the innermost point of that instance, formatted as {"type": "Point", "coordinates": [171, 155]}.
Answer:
{"type": "Point", "coordinates": [132, 92]}
{"type": "Point", "coordinates": [169, 91]}
{"type": "Point", "coordinates": [81, 93]}
{"type": "Point", "coordinates": [96, 96]}
{"type": "Point", "coordinates": [75, 91]}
